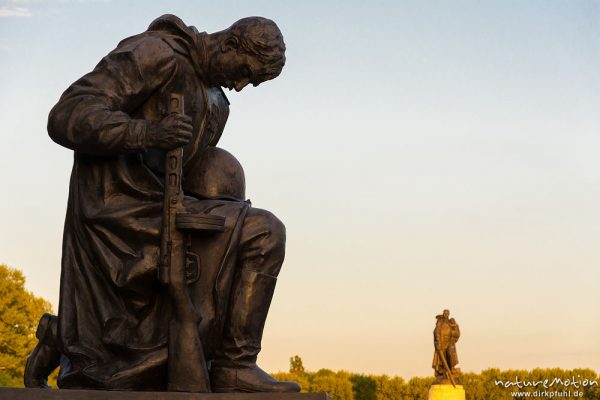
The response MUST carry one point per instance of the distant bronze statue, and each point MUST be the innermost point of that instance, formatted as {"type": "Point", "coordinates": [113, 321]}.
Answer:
{"type": "Point", "coordinates": [445, 358]}
{"type": "Point", "coordinates": [167, 271]}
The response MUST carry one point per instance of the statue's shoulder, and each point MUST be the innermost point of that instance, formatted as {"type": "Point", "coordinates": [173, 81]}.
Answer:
{"type": "Point", "coordinates": [146, 45]}
{"type": "Point", "coordinates": [442, 323]}
{"type": "Point", "coordinates": [166, 35]}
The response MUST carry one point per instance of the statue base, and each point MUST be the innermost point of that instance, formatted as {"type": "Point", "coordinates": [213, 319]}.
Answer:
{"type": "Point", "coordinates": [446, 392]}
{"type": "Point", "coordinates": [68, 394]}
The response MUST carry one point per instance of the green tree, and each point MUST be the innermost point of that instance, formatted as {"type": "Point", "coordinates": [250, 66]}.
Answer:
{"type": "Point", "coordinates": [390, 388]}
{"type": "Point", "coordinates": [474, 387]}
{"type": "Point", "coordinates": [364, 387]}
{"type": "Point", "coordinates": [485, 384]}
{"type": "Point", "coordinates": [336, 384]}
{"type": "Point", "coordinates": [20, 312]}
{"type": "Point", "coordinates": [418, 388]}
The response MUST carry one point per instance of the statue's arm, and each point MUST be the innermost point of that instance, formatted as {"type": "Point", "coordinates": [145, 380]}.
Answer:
{"type": "Point", "coordinates": [93, 115]}
{"type": "Point", "coordinates": [436, 338]}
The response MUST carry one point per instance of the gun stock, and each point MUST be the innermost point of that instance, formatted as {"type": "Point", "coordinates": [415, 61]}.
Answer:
{"type": "Point", "coordinates": [186, 364]}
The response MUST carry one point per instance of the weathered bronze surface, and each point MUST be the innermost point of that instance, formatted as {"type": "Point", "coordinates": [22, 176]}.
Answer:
{"type": "Point", "coordinates": [167, 272]}
{"type": "Point", "coordinates": [445, 358]}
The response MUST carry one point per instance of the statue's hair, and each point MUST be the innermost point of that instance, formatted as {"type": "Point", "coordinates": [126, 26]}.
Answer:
{"type": "Point", "coordinates": [261, 38]}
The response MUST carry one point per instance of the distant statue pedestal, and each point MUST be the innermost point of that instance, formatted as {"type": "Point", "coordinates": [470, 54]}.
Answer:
{"type": "Point", "coordinates": [446, 392]}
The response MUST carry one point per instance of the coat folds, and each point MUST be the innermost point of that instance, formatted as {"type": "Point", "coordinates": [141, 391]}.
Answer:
{"type": "Point", "coordinates": [114, 315]}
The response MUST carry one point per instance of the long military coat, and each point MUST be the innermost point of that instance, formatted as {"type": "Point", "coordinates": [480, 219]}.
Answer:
{"type": "Point", "coordinates": [113, 312]}
{"type": "Point", "coordinates": [445, 336]}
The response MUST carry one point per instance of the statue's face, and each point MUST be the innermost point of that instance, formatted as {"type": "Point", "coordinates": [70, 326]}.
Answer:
{"type": "Point", "coordinates": [446, 313]}
{"type": "Point", "coordinates": [234, 70]}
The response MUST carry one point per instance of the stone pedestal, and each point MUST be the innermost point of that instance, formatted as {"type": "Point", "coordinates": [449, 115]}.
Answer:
{"type": "Point", "coordinates": [446, 392]}
{"type": "Point", "coordinates": [43, 394]}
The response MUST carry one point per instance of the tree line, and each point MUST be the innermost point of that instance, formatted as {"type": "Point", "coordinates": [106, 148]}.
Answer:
{"type": "Point", "coordinates": [20, 312]}
{"type": "Point", "coordinates": [490, 384]}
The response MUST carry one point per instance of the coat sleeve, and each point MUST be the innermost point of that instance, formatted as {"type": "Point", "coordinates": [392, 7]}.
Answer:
{"type": "Point", "coordinates": [93, 114]}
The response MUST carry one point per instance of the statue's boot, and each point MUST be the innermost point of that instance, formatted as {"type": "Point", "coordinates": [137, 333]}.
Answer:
{"type": "Point", "coordinates": [235, 370]}
{"type": "Point", "coordinates": [45, 357]}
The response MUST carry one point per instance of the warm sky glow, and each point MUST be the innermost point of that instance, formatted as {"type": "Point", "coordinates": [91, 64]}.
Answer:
{"type": "Point", "coordinates": [423, 155]}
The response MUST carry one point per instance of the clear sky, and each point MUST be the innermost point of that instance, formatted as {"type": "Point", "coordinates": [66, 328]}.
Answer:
{"type": "Point", "coordinates": [422, 154]}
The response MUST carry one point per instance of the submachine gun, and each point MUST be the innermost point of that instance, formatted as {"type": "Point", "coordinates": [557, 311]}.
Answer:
{"type": "Point", "coordinates": [178, 267]}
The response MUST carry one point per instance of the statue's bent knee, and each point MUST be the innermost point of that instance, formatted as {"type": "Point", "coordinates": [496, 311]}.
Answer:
{"type": "Point", "coordinates": [269, 223]}
{"type": "Point", "coordinates": [262, 242]}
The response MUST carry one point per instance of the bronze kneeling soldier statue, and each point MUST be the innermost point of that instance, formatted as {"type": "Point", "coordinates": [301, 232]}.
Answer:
{"type": "Point", "coordinates": [118, 327]}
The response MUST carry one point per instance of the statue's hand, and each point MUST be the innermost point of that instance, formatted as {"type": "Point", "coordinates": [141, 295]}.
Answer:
{"type": "Point", "coordinates": [174, 130]}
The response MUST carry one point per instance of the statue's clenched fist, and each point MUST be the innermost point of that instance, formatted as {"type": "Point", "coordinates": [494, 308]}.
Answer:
{"type": "Point", "coordinates": [174, 130]}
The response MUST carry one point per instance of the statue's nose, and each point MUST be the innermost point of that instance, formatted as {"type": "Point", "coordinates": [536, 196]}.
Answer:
{"type": "Point", "coordinates": [239, 85]}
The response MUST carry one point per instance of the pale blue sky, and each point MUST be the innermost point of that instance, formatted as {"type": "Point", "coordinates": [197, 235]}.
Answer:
{"type": "Point", "coordinates": [422, 154]}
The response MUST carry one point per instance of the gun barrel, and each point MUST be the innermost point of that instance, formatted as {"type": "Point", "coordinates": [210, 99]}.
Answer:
{"type": "Point", "coordinates": [173, 199]}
